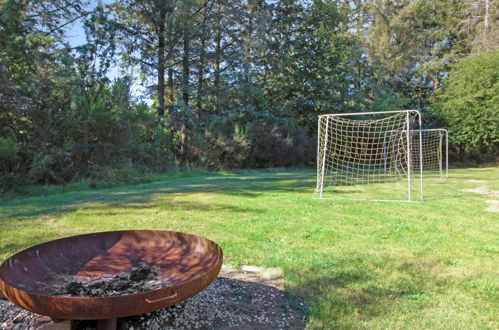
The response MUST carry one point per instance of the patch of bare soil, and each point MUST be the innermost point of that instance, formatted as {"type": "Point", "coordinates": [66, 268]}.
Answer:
{"type": "Point", "coordinates": [482, 191]}
{"type": "Point", "coordinates": [273, 277]}
{"type": "Point", "coordinates": [493, 206]}
{"type": "Point", "coordinates": [245, 298]}
{"type": "Point", "coordinates": [475, 181]}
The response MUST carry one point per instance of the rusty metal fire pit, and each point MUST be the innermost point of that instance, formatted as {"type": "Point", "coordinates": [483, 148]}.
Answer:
{"type": "Point", "coordinates": [186, 265]}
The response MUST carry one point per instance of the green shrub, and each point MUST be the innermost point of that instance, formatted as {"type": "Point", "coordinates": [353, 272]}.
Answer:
{"type": "Point", "coordinates": [469, 105]}
{"type": "Point", "coordinates": [10, 163]}
{"type": "Point", "coordinates": [115, 176]}
{"type": "Point", "coordinates": [250, 143]}
{"type": "Point", "coordinates": [9, 158]}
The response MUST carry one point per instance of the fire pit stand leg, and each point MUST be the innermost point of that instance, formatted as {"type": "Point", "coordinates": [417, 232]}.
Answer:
{"type": "Point", "coordinates": [106, 324]}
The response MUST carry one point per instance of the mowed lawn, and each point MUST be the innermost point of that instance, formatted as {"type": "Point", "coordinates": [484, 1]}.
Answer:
{"type": "Point", "coordinates": [357, 264]}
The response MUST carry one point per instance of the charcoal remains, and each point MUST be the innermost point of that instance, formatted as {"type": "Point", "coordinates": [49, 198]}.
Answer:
{"type": "Point", "coordinates": [140, 279]}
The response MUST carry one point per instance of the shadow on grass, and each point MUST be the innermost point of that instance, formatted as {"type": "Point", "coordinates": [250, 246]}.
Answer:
{"type": "Point", "coordinates": [353, 291]}
{"type": "Point", "coordinates": [213, 207]}
{"type": "Point", "coordinates": [144, 195]}
{"type": "Point", "coordinates": [10, 249]}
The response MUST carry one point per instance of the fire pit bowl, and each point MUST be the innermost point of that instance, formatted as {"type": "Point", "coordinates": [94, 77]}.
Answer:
{"type": "Point", "coordinates": [186, 264]}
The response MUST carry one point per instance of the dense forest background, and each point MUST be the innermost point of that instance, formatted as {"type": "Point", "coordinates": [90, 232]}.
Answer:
{"type": "Point", "coordinates": [231, 84]}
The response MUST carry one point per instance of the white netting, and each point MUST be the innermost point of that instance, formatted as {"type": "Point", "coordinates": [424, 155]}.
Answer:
{"type": "Point", "coordinates": [366, 150]}
{"type": "Point", "coordinates": [434, 150]}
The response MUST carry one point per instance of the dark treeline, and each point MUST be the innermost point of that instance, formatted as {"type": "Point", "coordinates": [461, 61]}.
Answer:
{"type": "Point", "coordinates": [233, 84]}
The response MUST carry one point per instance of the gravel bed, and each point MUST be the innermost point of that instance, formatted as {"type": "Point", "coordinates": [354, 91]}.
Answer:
{"type": "Point", "coordinates": [226, 304]}
{"type": "Point", "coordinates": [13, 317]}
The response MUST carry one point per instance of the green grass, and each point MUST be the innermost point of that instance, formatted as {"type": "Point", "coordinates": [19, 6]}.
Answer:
{"type": "Point", "coordinates": [358, 264]}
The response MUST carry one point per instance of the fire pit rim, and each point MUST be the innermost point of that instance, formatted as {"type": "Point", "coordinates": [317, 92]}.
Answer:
{"type": "Point", "coordinates": [156, 299]}
{"type": "Point", "coordinates": [220, 252]}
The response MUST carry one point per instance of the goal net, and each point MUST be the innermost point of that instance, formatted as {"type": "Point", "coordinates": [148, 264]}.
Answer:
{"type": "Point", "coordinates": [434, 152]}
{"type": "Point", "coordinates": [369, 156]}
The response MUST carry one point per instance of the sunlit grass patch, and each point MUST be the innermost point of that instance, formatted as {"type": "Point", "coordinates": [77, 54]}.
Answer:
{"type": "Point", "coordinates": [358, 264]}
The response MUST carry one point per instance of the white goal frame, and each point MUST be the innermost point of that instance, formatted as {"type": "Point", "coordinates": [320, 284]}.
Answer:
{"type": "Point", "coordinates": [322, 144]}
{"type": "Point", "coordinates": [443, 149]}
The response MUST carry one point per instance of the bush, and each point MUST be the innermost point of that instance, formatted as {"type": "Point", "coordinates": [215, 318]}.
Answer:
{"type": "Point", "coordinates": [9, 164]}
{"type": "Point", "coordinates": [469, 105]}
{"type": "Point", "coordinates": [280, 145]}
{"type": "Point", "coordinates": [257, 143]}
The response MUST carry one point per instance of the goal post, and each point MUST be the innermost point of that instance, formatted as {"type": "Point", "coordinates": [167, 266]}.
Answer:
{"type": "Point", "coordinates": [358, 157]}
{"type": "Point", "coordinates": [435, 150]}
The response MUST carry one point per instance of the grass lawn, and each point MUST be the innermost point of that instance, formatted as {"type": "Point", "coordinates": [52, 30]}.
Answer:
{"type": "Point", "coordinates": [358, 264]}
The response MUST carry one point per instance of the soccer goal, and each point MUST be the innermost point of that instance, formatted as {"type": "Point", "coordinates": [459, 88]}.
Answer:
{"type": "Point", "coordinates": [435, 150]}
{"type": "Point", "coordinates": [369, 156]}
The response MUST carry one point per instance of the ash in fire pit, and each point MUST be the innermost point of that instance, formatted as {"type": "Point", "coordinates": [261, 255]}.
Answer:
{"type": "Point", "coordinates": [140, 279]}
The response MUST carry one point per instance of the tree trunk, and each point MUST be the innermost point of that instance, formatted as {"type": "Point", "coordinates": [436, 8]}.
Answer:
{"type": "Point", "coordinates": [436, 83]}
{"type": "Point", "coordinates": [250, 7]}
{"type": "Point", "coordinates": [486, 22]}
{"type": "Point", "coordinates": [202, 55]}
{"type": "Point", "coordinates": [218, 55]}
{"type": "Point", "coordinates": [186, 69]}
{"type": "Point", "coordinates": [185, 58]}
{"type": "Point", "coordinates": [171, 85]}
{"type": "Point", "coordinates": [161, 66]}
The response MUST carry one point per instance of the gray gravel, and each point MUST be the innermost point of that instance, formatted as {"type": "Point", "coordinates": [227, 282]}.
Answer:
{"type": "Point", "coordinates": [13, 317]}
{"type": "Point", "coordinates": [225, 304]}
